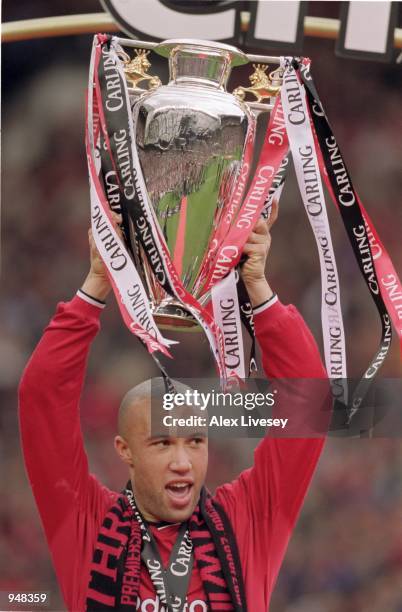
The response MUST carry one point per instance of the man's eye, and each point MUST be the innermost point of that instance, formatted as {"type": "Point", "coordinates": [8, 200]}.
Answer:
{"type": "Point", "coordinates": [197, 441]}
{"type": "Point", "coordinates": [162, 443]}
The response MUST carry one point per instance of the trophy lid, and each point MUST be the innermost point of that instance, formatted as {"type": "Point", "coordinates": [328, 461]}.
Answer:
{"type": "Point", "coordinates": [237, 57]}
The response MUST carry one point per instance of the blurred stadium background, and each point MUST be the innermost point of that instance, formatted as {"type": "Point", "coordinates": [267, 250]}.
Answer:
{"type": "Point", "coordinates": [346, 553]}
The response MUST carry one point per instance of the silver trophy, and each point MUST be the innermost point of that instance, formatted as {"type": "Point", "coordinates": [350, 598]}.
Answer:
{"type": "Point", "coordinates": [190, 137]}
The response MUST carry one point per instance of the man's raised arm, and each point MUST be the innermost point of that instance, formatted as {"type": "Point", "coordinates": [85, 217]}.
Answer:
{"type": "Point", "coordinates": [70, 501]}
{"type": "Point", "coordinates": [264, 502]}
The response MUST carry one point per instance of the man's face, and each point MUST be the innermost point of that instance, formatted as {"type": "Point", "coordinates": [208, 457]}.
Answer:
{"type": "Point", "coordinates": [167, 471]}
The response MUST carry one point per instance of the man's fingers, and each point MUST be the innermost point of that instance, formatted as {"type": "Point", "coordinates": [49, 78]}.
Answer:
{"type": "Point", "coordinates": [116, 221]}
{"type": "Point", "coordinates": [92, 244]}
{"type": "Point", "coordinates": [90, 238]}
{"type": "Point", "coordinates": [254, 249]}
{"type": "Point", "coordinates": [116, 217]}
{"type": "Point", "coordinates": [274, 214]}
{"type": "Point", "coordinates": [255, 238]}
{"type": "Point", "coordinates": [261, 227]}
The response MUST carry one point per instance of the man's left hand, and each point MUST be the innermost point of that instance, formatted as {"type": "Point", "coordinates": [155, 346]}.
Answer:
{"type": "Point", "coordinates": [257, 249]}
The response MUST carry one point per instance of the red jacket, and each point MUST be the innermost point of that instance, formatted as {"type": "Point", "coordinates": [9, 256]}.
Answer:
{"type": "Point", "coordinates": [262, 503]}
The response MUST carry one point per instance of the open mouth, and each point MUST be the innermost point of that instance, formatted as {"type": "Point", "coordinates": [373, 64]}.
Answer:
{"type": "Point", "coordinates": [179, 493]}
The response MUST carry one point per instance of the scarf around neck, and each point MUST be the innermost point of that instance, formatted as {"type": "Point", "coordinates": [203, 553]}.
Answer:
{"type": "Point", "coordinates": [116, 563]}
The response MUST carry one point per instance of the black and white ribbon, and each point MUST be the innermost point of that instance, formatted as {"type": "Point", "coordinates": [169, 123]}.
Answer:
{"type": "Point", "coordinates": [302, 146]}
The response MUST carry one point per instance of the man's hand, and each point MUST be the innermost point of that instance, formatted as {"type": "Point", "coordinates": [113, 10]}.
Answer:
{"type": "Point", "coordinates": [97, 283]}
{"type": "Point", "coordinates": [257, 248]}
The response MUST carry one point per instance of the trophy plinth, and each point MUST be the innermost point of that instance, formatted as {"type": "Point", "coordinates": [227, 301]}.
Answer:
{"type": "Point", "coordinates": [170, 315]}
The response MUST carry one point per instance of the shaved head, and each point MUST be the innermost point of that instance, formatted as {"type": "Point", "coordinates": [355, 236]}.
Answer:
{"type": "Point", "coordinates": [131, 404]}
{"type": "Point", "coordinates": [137, 402]}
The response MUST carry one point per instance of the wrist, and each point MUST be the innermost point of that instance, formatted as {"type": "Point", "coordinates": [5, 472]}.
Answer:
{"type": "Point", "coordinates": [258, 291]}
{"type": "Point", "coordinates": [96, 286]}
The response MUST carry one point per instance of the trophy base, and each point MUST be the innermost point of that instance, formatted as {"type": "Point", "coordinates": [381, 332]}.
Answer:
{"type": "Point", "coordinates": [174, 317]}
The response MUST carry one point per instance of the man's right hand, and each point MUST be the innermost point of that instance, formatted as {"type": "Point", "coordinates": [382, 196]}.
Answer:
{"type": "Point", "coordinates": [97, 283]}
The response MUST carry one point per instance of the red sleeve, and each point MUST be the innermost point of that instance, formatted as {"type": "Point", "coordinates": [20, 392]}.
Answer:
{"type": "Point", "coordinates": [71, 502]}
{"type": "Point", "coordinates": [264, 502]}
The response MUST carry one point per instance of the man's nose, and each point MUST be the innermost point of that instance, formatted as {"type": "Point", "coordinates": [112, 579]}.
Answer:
{"type": "Point", "coordinates": [180, 461]}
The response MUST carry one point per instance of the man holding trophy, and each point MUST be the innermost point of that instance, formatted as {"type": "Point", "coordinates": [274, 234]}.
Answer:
{"type": "Point", "coordinates": [101, 560]}
{"type": "Point", "coordinates": [165, 543]}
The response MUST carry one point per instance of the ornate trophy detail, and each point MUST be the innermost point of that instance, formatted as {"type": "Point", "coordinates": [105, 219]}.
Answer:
{"type": "Point", "coordinates": [136, 70]}
{"type": "Point", "coordinates": [263, 86]}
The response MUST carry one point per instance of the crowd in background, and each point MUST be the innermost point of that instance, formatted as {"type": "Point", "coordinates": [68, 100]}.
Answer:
{"type": "Point", "coordinates": [346, 552]}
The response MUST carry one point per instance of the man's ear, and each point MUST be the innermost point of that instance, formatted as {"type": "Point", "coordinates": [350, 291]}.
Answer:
{"type": "Point", "coordinates": [123, 450]}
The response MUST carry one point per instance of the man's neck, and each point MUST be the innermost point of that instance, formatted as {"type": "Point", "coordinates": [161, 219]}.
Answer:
{"type": "Point", "coordinates": [162, 524]}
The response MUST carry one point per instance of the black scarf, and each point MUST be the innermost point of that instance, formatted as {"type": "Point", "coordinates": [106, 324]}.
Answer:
{"type": "Point", "coordinates": [116, 563]}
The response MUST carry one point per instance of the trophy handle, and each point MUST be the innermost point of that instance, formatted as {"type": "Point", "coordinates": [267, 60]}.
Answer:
{"type": "Point", "coordinates": [136, 71]}
{"type": "Point", "coordinates": [263, 87]}
{"type": "Point", "coordinates": [131, 42]}
{"type": "Point", "coordinates": [136, 68]}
